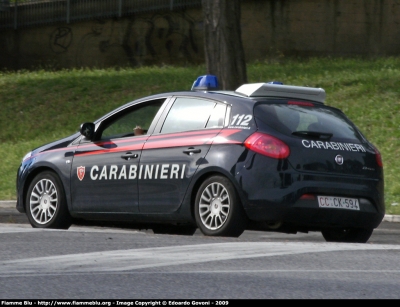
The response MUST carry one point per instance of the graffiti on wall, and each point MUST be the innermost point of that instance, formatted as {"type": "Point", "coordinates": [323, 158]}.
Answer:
{"type": "Point", "coordinates": [163, 37]}
{"type": "Point", "coordinates": [100, 47]}
{"type": "Point", "coordinates": [160, 38]}
{"type": "Point", "coordinates": [60, 39]}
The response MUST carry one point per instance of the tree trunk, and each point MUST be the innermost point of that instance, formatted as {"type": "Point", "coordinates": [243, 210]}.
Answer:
{"type": "Point", "coordinates": [223, 42]}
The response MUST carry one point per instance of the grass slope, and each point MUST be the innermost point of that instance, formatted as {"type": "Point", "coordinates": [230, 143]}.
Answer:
{"type": "Point", "coordinates": [41, 106]}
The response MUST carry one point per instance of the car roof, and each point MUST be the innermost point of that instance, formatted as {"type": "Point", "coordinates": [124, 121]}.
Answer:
{"type": "Point", "coordinates": [271, 89]}
{"type": "Point", "coordinates": [247, 94]}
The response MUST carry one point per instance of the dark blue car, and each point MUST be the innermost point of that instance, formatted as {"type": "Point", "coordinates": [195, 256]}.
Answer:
{"type": "Point", "coordinates": [266, 156]}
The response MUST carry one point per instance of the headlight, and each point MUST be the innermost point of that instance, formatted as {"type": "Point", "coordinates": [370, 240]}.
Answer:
{"type": "Point", "coordinates": [27, 156]}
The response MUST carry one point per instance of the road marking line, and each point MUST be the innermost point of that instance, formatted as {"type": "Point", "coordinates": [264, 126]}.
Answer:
{"type": "Point", "coordinates": [134, 259]}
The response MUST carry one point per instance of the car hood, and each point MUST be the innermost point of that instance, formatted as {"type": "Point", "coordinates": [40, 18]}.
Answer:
{"type": "Point", "coordinates": [56, 144]}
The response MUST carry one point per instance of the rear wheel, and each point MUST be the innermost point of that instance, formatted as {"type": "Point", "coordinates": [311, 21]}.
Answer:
{"type": "Point", "coordinates": [46, 206]}
{"type": "Point", "coordinates": [347, 235]}
{"type": "Point", "coordinates": [218, 210]}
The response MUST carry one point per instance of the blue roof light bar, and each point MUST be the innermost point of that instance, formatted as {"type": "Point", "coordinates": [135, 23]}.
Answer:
{"type": "Point", "coordinates": [205, 83]}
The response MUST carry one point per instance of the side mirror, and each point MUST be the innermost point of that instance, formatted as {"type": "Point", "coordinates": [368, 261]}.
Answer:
{"type": "Point", "coordinates": [87, 130]}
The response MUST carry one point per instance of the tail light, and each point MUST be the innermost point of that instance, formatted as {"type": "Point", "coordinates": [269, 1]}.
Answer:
{"type": "Point", "coordinates": [267, 145]}
{"type": "Point", "coordinates": [378, 157]}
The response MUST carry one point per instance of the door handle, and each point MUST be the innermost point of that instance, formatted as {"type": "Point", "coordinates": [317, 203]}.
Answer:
{"type": "Point", "coordinates": [191, 151]}
{"type": "Point", "coordinates": [129, 156]}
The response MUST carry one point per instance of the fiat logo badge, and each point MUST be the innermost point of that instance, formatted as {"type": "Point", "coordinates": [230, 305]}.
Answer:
{"type": "Point", "coordinates": [339, 159]}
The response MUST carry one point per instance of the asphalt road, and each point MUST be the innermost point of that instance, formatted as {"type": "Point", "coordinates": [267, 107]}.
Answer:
{"type": "Point", "coordinates": [387, 232]}
{"type": "Point", "coordinates": [98, 261]}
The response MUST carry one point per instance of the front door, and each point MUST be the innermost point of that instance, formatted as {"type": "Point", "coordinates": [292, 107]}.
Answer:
{"type": "Point", "coordinates": [105, 170]}
{"type": "Point", "coordinates": [104, 178]}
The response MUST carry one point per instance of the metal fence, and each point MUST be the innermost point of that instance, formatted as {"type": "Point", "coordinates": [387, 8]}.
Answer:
{"type": "Point", "coordinates": [15, 14]}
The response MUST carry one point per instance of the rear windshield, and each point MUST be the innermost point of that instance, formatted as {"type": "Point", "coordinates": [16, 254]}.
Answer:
{"type": "Point", "coordinates": [292, 119]}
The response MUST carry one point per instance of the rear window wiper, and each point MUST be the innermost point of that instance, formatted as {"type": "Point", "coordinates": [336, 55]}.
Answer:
{"type": "Point", "coordinates": [313, 134]}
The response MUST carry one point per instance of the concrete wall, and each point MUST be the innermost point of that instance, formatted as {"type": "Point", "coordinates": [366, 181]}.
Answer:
{"type": "Point", "coordinates": [321, 27]}
{"type": "Point", "coordinates": [174, 37]}
{"type": "Point", "coordinates": [269, 28]}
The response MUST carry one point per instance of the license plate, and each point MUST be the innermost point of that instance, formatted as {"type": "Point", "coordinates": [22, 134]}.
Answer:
{"type": "Point", "coordinates": [338, 202]}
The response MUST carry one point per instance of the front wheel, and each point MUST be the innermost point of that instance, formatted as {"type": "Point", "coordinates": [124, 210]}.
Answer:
{"type": "Point", "coordinates": [46, 206]}
{"type": "Point", "coordinates": [218, 210]}
{"type": "Point", "coordinates": [347, 235]}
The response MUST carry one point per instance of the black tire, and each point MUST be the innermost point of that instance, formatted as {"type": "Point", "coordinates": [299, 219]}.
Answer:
{"type": "Point", "coordinates": [218, 210]}
{"type": "Point", "coordinates": [347, 235]}
{"type": "Point", "coordinates": [46, 206]}
{"type": "Point", "coordinates": [184, 230]}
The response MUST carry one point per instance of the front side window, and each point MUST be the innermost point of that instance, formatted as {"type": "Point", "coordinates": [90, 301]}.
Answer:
{"type": "Point", "coordinates": [132, 122]}
{"type": "Point", "coordinates": [193, 114]}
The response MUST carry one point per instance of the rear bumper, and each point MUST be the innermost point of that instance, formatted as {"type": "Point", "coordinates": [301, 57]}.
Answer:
{"type": "Point", "coordinates": [284, 203]}
{"type": "Point", "coordinates": [306, 215]}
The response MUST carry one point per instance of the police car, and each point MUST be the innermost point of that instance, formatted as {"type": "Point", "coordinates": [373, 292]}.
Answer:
{"type": "Point", "coordinates": [265, 156]}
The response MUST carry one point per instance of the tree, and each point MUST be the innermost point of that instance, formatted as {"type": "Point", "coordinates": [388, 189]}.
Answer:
{"type": "Point", "coordinates": [224, 52]}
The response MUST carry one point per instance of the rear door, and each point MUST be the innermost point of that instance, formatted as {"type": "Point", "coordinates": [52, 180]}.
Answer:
{"type": "Point", "coordinates": [171, 157]}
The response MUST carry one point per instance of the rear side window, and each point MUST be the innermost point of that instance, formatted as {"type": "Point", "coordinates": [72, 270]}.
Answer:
{"type": "Point", "coordinates": [193, 114]}
{"type": "Point", "coordinates": [288, 119]}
